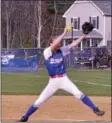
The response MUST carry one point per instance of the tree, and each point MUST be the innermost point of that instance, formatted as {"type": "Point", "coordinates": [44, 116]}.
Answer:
{"type": "Point", "coordinates": [29, 23]}
{"type": "Point", "coordinates": [42, 20]}
{"type": "Point", "coordinates": [6, 20]}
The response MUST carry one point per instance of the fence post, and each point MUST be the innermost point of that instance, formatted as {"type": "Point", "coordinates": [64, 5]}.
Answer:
{"type": "Point", "coordinates": [92, 61]}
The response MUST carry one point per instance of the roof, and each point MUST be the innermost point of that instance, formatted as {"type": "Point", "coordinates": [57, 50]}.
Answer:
{"type": "Point", "coordinates": [77, 34]}
{"type": "Point", "coordinates": [104, 6]}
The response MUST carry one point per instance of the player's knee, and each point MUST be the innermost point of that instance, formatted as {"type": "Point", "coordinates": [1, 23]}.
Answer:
{"type": "Point", "coordinates": [38, 102]}
{"type": "Point", "coordinates": [78, 95]}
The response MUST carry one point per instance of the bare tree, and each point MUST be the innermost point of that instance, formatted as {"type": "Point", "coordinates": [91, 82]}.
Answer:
{"type": "Point", "coordinates": [39, 22]}
{"type": "Point", "coordinates": [8, 29]}
{"type": "Point", "coordinates": [26, 23]}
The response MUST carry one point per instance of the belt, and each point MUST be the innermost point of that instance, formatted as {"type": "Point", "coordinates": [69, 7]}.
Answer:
{"type": "Point", "coordinates": [57, 76]}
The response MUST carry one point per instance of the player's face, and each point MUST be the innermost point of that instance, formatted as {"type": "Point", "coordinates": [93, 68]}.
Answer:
{"type": "Point", "coordinates": [58, 46]}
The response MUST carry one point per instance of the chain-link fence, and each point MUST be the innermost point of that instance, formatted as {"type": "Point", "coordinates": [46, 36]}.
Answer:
{"type": "Point", "coordinates": [92, 58]}
{"type": "Point", "coordinates": [20, 60]}
{"type": "Point", "coordinates": [28, 60]}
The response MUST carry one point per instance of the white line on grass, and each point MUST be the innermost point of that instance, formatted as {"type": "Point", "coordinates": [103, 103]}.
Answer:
{"type": "Point", "coordinates": [105, 85]}
{"type": "Point", "coordinates": [78, 81]}
{"type": "Point", "coordinates": [18, 74]}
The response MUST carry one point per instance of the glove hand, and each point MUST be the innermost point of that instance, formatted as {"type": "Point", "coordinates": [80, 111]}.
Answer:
{"type": "Point", "coordinates": [87, 27]}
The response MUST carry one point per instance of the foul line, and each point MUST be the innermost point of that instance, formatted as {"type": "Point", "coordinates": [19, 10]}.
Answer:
{"type": "Point", "coordinates": [78, 81]}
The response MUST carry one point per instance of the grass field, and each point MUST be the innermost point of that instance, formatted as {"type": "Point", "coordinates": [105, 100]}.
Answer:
{"type": "Point", "coordinates": [90, 82]}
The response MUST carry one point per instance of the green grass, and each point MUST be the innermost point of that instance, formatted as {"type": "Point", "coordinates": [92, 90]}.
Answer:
{"type": "Point", "coordinates": [34, 83]}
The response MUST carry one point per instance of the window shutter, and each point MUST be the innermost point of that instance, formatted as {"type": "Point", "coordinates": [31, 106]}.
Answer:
{"type": "Point", "coordinates": [97, 22]}
{"type": "Point", "coordinates": [72, 22]}
{"type": "Point", "coordinates": [90, 19]}
{"type": "Point", "coordinates": [78, 23]}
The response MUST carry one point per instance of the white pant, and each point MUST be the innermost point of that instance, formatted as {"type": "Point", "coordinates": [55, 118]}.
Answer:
{"type": "Point", "coordinates": [54, 84]}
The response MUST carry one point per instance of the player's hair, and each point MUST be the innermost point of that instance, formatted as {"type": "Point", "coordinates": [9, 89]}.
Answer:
{"type": "Point", "coordinates": [51, 40]}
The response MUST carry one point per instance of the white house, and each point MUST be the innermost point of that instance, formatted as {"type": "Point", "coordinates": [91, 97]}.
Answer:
{"type": "Point", "coordinates": [96, 12]}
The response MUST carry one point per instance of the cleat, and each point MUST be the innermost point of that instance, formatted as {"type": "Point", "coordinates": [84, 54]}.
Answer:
{"type": "Point", "coordinates": [98, 112]}
{"type": "Point", "coordinates": [23, 119]}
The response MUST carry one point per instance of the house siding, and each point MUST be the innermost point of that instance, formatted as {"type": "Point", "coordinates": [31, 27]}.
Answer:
{"type": "Point", "coordinates": [108, 28]}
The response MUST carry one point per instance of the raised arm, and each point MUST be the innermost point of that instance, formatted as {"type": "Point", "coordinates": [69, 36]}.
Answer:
{"type": "Point", "coordinates": [86, 29]}
{"type": "Point", "coordinates": [77, 41]}
{"type": "Point", "coordinates": [58, 40]}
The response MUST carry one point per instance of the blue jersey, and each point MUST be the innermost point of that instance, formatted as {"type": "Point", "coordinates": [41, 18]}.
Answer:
{"type": "Point", "coordinates": [55, 61]}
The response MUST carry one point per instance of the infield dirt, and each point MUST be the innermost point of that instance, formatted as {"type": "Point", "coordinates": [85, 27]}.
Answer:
{"type": "Point", "coordinates": [57, 108]}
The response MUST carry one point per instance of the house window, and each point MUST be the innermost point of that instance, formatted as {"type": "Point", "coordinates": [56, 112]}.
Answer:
{"type": "Point", "coordinates": [95, 42]}
{"type": "Point", "coordinates": [95, 21]}
{"type": "Point", "coordinates": [75, 22]}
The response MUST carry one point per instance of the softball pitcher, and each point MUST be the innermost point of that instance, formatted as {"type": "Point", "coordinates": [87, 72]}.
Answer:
{"type": "Point", "coordinates": [58, 79]}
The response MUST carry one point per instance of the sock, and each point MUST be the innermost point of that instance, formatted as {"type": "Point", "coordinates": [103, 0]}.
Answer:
{"type": "Point", "coordinates": [30, 111]}
{"type": "Point", "coordinates": [88, 102]}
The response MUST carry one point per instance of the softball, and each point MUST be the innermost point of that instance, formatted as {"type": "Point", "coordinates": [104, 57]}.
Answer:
{"type": "Point", "coordinates": [69, 28]}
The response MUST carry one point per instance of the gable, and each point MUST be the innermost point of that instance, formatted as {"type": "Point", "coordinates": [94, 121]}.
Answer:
{"type": "Point", "coordinates": [98, 5]}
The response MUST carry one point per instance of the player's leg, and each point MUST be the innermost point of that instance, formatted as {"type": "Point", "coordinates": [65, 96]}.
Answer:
{"type": "Point", "coordinates": [68, 86]}
{"type": "Point", "coordinates": [50, 89]}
